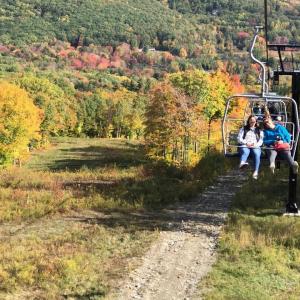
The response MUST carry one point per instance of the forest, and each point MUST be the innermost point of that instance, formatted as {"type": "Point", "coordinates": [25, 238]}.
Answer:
{"type": "Point", "coordinates": [113, 69]}
{"type": "Point", "coordinates": [160, 24]}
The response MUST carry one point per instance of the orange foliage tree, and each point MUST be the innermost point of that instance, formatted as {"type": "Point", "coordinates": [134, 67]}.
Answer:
{"type": "Point", "coordinates": [181, 118]}
{"type": "Point", "coordinates": [169, 122]}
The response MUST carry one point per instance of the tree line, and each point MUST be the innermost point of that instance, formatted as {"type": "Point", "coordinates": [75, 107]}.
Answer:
{"type": "Point", "coordinates": [176, 116]}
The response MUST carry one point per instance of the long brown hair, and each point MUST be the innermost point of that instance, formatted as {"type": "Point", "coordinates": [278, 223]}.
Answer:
{"type": "Point", "coordinates": [248, 122]}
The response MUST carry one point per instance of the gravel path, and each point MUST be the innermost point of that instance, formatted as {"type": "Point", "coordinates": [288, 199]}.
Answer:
{"type": "Point", "coordinates": [185, 251]}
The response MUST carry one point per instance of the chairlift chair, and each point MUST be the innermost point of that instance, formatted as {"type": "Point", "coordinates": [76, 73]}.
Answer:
{"type": "Point", "coordinates": [233, 120]}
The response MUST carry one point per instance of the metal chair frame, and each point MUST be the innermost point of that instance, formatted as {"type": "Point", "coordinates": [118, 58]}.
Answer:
{"type": "Point", "coordinates": [265, 97]}
{"type": "Point", "coordinates": [252, 98]}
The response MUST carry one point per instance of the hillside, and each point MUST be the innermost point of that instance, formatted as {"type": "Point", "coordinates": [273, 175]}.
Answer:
{"type": "Point", "coordinates": [141, 23]}
{"type": "Point", "coordinates": [165, 25]}
{"type": "Point", "coordinates": [91, 66]}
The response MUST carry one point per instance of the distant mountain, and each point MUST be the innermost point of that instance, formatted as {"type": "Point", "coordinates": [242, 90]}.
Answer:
{"type": "Point", "coordinates": [284, 16]}
{"type": "Point", "coordinates": [142, 23]}
{"type": "Point", "coordinates": [202, 31]}
{"type": "Point", "coordinates": [162, 24]}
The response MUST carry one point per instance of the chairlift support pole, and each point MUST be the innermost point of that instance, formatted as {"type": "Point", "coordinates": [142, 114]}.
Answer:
{"type": "Point", "coordinates": [291, 206]}
{"type": "Point", "coordinates": [266, 29]}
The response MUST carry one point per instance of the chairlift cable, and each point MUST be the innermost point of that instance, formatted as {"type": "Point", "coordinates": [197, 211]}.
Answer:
{"type": "Point", "coordinates": [266, 30]}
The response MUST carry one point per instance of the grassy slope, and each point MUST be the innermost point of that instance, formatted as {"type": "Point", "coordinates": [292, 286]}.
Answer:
{"type": "Point", "coordinates": [72, 218]}
{"type": "Point", "coordinates": [56, 241]}
{"type": "Point", "coordinates": [259, 253]}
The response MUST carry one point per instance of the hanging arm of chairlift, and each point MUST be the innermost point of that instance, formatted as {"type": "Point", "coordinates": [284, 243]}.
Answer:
{"type": "Point", "coordinates": [264, 86]}
{"type": "Point", "coordinates": [264, 97]}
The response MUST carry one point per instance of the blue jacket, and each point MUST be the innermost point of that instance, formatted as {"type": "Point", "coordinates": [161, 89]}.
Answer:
{"type": "Point", "coordinates": [270, 135]}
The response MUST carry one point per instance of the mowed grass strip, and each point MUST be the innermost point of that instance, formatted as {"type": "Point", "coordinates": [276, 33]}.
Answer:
{"type": "Point", "coordinates": [74, 216]}
{"type": "Point", "coordinates": [259, 251]}
{"type": "Point", "coordinates": [99, 174]}
{"type": "Point", "coordinates": [64, 251]}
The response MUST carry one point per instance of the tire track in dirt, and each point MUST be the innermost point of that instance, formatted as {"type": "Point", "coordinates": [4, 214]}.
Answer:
{"type": "Point", "coordinates": [185, 251]}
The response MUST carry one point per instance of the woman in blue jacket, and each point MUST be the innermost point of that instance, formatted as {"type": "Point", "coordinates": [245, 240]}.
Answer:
{"type": "Point", "coordinates": [278, 134]}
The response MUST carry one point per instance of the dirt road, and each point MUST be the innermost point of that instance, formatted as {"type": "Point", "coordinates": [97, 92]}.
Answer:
{"type": "Point", "coordinates": [185, 251]}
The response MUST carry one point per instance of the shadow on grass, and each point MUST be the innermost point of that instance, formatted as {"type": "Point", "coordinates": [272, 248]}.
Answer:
{"type": "Point", "coordinates": [158, 186]}
{"type": "Point", "coordinates": [172, 219]}
{"type": "Point", "coordinates": [160, 195]}
{"type": "Point", "coordinates": [265, 197]}
{"type": "Point", "coordinates": [86, 296]}
{"type": "Point", "coordinates": [93, 157]}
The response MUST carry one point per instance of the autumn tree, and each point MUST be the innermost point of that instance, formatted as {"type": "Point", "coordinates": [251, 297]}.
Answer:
{"type": "Point", "coordinates": [168, 122]}
{"type": "Point", "coordinates": [59, 111]}
{"type": "Point", "coordinates": [124, 112]}
{"type": "Point", "coordinates": [209, 92]}
{"type": "Point", "coordinates": [19, 122]}
{"type": "Point", "coordinates": [91, 118]}
{"type": "Point", "coordinates": [195, 84]}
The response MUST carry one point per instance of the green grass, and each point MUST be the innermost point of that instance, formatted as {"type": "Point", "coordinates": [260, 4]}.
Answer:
{"type": "Point", "coordinates": [72, 218]}
{"type": "Point", "coordinates": [117, 174]}
{"type": "Point", "coordinates": [259, 251]}
{"type": "Point", "coordinates": [103, 175]}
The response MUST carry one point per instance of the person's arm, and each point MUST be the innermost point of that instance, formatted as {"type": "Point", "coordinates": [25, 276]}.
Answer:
{"type": "Point", "coordinates": [240, 139]}
{"type": "Point", "coordinates": [261, 139]}
{"type": "Point", "coordinates": [268, 139]}
{"type": "Point", "coordinates": [285, 135]}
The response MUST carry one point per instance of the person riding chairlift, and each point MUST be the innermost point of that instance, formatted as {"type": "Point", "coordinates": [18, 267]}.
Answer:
{"type": "Point", "coordinates": [278, 139]}
{"type": "Point", "coordinates": [250, 139]}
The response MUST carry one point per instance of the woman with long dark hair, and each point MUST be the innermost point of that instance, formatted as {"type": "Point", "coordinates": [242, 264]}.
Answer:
{"type": "Point", "coordinates": [250, 139]}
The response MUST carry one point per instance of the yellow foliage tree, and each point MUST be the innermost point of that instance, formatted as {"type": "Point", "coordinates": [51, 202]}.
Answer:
{"type": "Point", "coordinates": [123, 113]}
{"type": "Point", "coordinates": [19, 122]}
{"type": "Point", "coordinates": [59, 111]}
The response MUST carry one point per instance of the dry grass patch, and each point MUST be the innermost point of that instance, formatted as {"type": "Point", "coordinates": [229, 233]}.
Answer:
{"type": "Point", "coordinates": [78, 260]}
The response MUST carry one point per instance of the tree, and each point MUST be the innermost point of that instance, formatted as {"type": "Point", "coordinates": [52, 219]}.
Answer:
{"type": "Point", "coordinates": [183, 53]}
{"type": "Point", "coordinates": [19, 122]}
{"type": "Point", "coordinates": [58, 107]}
{"type": "Point", "coordinates": [120, 111]}
{"type": "Point", "coordinates": [209, 92]}
{"type": "Point", "coordinates": [168, 122]}
{"type": "Point", "coordinates": [220, 88]}
{"type": "Point", "coordinates": [91, 118]}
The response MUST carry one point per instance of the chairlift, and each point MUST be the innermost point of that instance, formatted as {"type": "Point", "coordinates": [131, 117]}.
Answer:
{"type": "Point", "coordinates": [279, 108]}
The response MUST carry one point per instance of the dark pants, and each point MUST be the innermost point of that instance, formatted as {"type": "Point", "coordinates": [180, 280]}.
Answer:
{"type": "Point", "coordinates": [284, 154]}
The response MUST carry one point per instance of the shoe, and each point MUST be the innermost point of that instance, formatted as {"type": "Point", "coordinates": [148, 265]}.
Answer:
{"type": "Point", "coordinates": [255, 175]}
{"type": "Point", "coordinates": [243, 165]}
{"type": "Point", "coordinates": [295, 167]}
{"type": "Point", "coordinates": [272, 168]}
